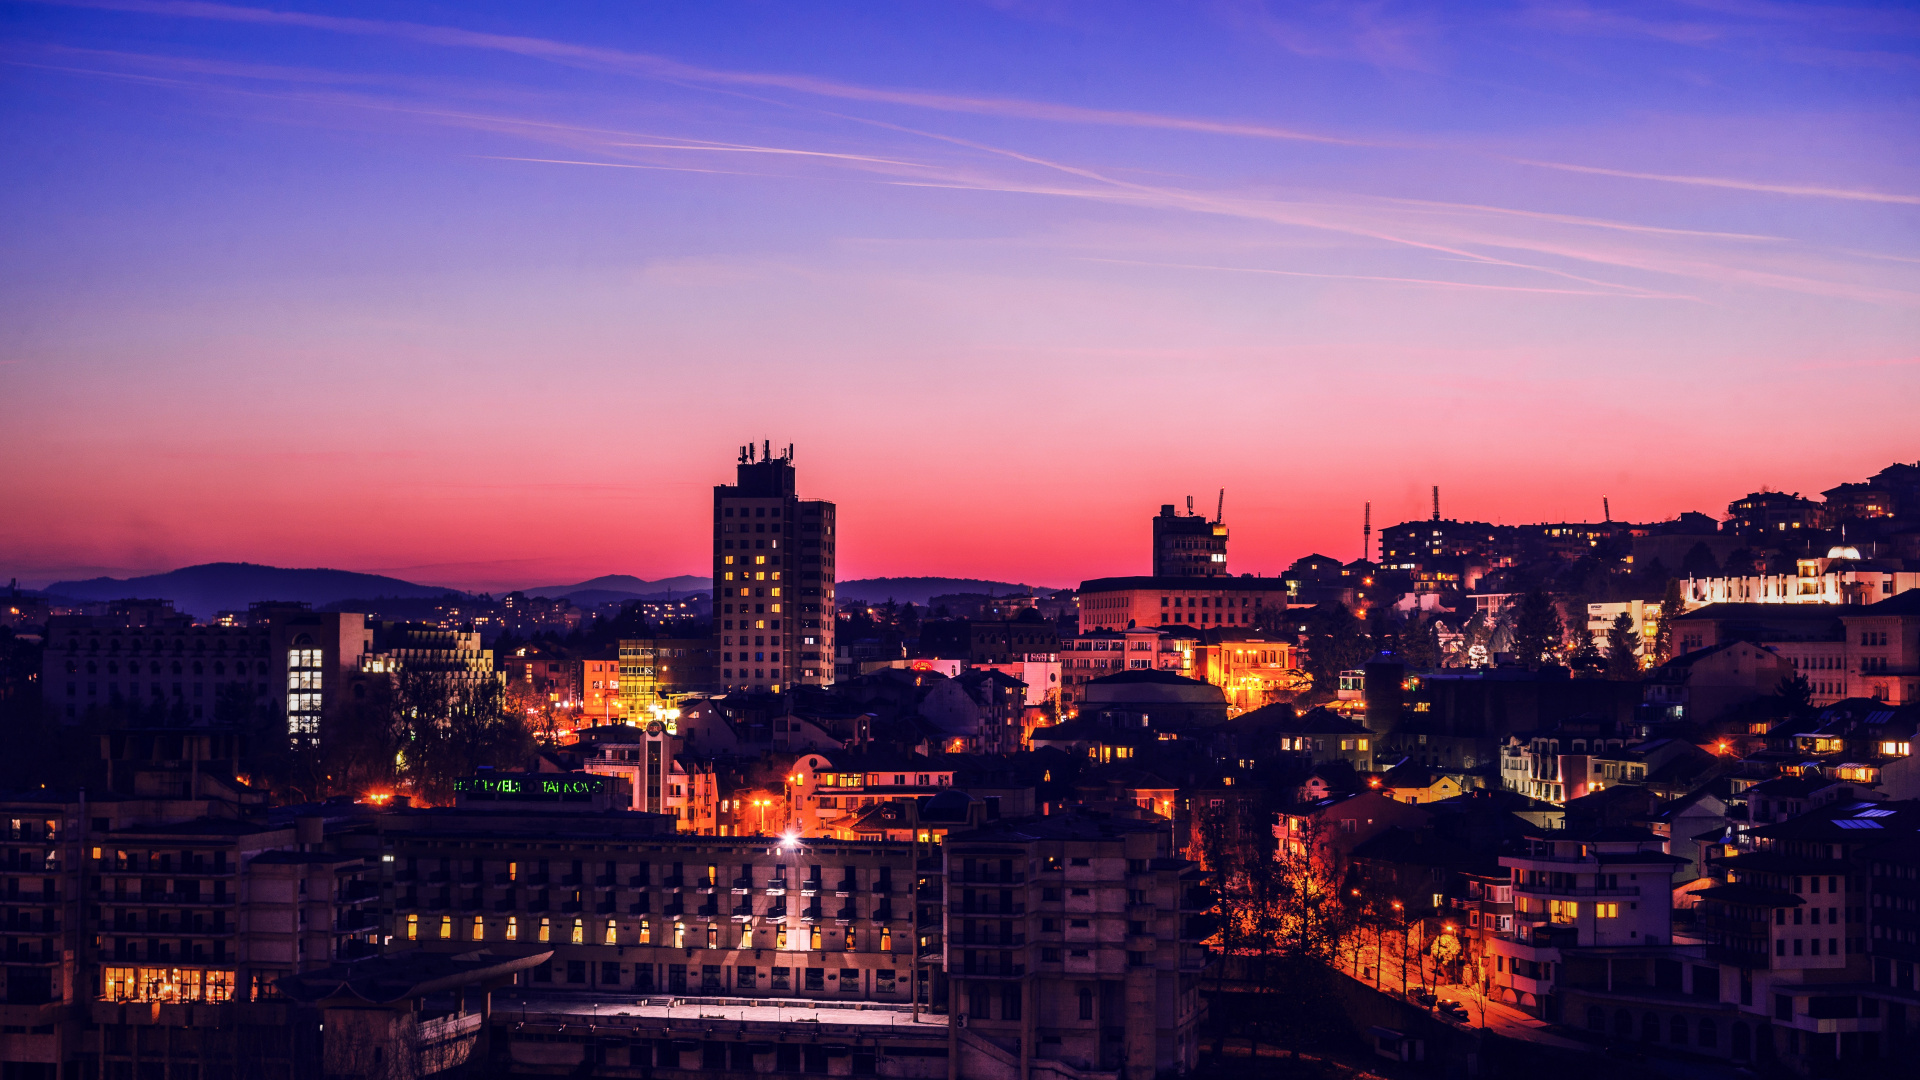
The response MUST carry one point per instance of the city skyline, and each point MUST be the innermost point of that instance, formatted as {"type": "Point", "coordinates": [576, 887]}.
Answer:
{"type": "Point", "coordinates": [1131, 558]}
{"type": "Point", "coordinates": [490, 300]}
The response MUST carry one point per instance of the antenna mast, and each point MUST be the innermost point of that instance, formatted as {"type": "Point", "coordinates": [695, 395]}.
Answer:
{"type": "Point", "coordinates": [1606, 509]}
{"type": "Point", "coordinates": [1189, 506]}
{"type": "Point", "coordinates": [1220, 510]}
{"type": "Point", "coordinates": [1436, 502]}
{"type": "Point", "coordinates": [1366, 534]}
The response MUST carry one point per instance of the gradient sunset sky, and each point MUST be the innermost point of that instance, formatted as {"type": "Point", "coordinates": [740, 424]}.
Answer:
{"type": "Point", "coordinates": [488, 294]}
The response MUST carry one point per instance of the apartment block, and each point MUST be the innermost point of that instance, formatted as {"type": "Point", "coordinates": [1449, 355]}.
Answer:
{"type": "Point", "coordinates": [1072, 941]}
{"type": "Point", "coordinates": [773, 574]}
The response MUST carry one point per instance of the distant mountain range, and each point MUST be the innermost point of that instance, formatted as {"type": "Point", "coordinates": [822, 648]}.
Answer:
{"type": "Point", "coordinates": [210, 588]}
{"type": "Point", "coordinates": [919, 590]}
{"type": "Point", "coordinates": [611, 587]}
{"type": "Point", "coordinates": [214, 587]}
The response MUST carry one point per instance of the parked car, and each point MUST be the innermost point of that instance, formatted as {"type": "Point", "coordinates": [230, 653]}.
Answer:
{"type": "Point", "coordinates": [1454, 1009]}
{"type": "Point", "coordinates": [1422, 995]}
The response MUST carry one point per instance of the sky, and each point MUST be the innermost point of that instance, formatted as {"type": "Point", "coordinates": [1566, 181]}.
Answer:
{"type": "Point", "coordinates": [488, 295]}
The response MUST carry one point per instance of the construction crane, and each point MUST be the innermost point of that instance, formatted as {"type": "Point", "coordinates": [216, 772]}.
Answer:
{"type": "Point", "coordinates": [1220, 510]}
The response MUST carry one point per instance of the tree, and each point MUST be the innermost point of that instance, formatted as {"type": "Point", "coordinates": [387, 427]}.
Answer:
{"type": "Point", "coordinates": [1383, 629]}
{"type": "Point", "coordinates": [1672, 606]}
{"type": "Point", "coordinates": [1335, 642]}
{"type": "Point", "coordinates": [1584, 657]}
{"type": "Point", "coordinates": [449, 727]}
{"type": "Point", "coordinates": [1793, 698]}
{"type": "Point", "coordinates": [1623, 649]}
{"type": "Point", "coordinates": [1739, 563]}
{"type": "Point", "coordinates": [1536, 628]}
{"type": "Point", "coordinates": [1420, 642]}
{"type": "Point", "coordinates": [1699, 562]}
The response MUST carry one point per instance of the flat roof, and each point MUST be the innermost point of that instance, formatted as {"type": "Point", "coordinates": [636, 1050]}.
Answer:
{"type": "Point", "coordinates": [608, 1008]}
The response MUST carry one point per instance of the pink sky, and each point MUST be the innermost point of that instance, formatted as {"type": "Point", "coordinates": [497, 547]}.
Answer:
{"type": "Point", "coordinates": [492, 304]}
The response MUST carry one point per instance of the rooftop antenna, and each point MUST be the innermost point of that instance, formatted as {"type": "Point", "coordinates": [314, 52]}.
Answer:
{"type": "Point", "coordinates": [743, 454]}
{"type": "Point", "coordinates": [1220, 510]}
{"type": "Point", "coordinates": [1366, 533]}
{"type": "Point", "coordinates": [766, 450]}
{"type": "Point", "coordinates": [1189, 506]}
{"type": "Point", "coordinates": [1606, 509]}
{"type": "Point", "coordinates": [1436, 502]}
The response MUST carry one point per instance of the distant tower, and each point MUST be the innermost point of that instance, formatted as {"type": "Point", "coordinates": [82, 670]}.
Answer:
{"type": "Point", "coordinates": [1366, 533]}
{"type": "Point", "coordinates": [773, 556]}
{"type": "Point", "coordinates": [1189, 545]}
{"type": "Point", "coordinates": [1436, 502]}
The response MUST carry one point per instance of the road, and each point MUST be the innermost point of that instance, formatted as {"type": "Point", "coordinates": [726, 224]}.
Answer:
{"type": "Point", "coordinates": [1482, 1013]}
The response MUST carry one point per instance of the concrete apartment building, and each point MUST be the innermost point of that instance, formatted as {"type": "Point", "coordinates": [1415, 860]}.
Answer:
{"type": "Point", "coordinates": [130, 917]}
{"type": "Point", "coordinates": [773, 574]}
{"type": "Point", "coordinates": [1865, 651]}
{"type": "Point", "coordinates": [1072, 948]}
{"type": "Point", "coordinates": [1188, 546]}
{"type": "Point", "coordinates": [1579, 896]}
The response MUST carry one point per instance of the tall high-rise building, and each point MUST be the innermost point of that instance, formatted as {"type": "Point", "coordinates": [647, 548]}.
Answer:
{"type": "Point", "coordinates": [1189, 545]}
{"type": "Point", "coordinates": [772, 578]}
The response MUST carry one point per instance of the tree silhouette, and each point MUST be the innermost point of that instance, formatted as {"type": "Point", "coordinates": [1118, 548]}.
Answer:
{"type": "Point", "coordinates": [1672, 606]}
{"type": "Point", "coordinates": [1536, 628]}
{"type": "Point", "coordinates": [1623, 649]}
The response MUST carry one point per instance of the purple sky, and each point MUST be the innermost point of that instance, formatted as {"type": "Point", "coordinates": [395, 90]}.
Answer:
{"type": "Point", "coordinates": [487, 294]}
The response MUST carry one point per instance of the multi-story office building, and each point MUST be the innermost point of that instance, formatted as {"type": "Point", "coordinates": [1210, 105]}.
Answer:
{"type": "Point", "coordinates": [773, 560]}
{"type": "Point", "coordinates": [639, 683]}
{"type": "Point", "coordinates": [1073, 938]}
{"type": "Point", "coordinates": [1204, 602]}
{"type": "Point", "coordinates": [540, 862]}
{"type": "Point", "coordinates": [300, 662]}
{"type": "Point", "coordinates": [1189, 546]}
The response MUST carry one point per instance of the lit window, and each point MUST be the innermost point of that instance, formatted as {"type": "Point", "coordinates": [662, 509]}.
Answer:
{"type": "Point", "coordinates": [413, 928]}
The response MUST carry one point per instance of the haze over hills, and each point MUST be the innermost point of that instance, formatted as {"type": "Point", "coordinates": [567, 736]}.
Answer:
{"type": "Point", "coordinates": [919, 590]}
{"type": "Point", "coordinates": [209, 588]}
{"type": "Point", "coordinates": [611, 587]}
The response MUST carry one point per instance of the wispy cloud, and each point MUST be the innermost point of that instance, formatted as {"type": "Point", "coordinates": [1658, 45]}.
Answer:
{"type": "Point", "coordinates": [1811, 190]}
{"type": "Point", "coordinates": [1382, 24]}
{"type": "Point", "coordinates": [1436, 282]}
{"type": "Point", "coordinates": [1367, 31]}
{"type": "Point", "coordinates": [671, 70]}
{"type": "Point", "coordinates": [1482, 234]}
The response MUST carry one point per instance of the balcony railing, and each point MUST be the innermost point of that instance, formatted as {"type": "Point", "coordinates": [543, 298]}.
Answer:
{"type": "Point", "coordinates": [1573, 890]}
{"type": "Point", "coordinates": [981, 875]}
{"type": "Point", "coordinates": [989, 941]}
